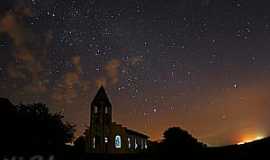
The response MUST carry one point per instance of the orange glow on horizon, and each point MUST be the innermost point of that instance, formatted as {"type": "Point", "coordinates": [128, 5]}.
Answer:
{"type": "Point", "coordinates": [250, 138]}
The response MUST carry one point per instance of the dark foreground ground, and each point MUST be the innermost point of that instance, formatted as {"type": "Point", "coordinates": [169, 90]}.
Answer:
{"type": "Point", "coordinates": [210, 154]}
{"type": "Point", "coordinates": [69, 156]}
{"type": "Point", "coordinates": [251, 151]}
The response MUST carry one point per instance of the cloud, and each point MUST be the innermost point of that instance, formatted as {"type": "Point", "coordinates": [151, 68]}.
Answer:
{"type": "Point", "coordinates": [76, 61]}
{"type": "Point", "coordinates": [29, 60]}
{"type": "Point", "coordinates": [63, 94]}
{"type": "Point", "coordinates": [37, 87]}
{"type": "Point", "coordinates": [101, 82]}
{"type": "Point", "coordinates": [71, 86]}
{"type": "Point", "coordinates": [24, 55]}
{"type": "Point", "coordinates": [112, 70]}
{"type": "Point", "coordinates": [13, 27]}
{"type": "Point", "coordinates": [14, 73]}
{"type": "Point", "coordinates": [26, 66]}
{"type": "Point", "coordinates": [71, 92]}
{"type": "Point", "coordinates": [110, 75]}
{"type": "Point", "coordinates": [28, 69]}
{"type": "Point", "coordinates": [24, 11]}
{"type": "Point", "coordinates": [12, 22]}
{"type": "Point", "coordinates": [71, 78]}
{"type": "Point", "coordinates": [8, 23]}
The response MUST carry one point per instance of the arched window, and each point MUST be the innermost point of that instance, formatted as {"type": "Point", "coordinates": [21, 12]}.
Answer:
{"type": "Point", "coordinates": [106, 110]}
{"type": "Point", "coordinates": [129, 143]}
{"type": "Point", "coordinates": [136, 145]}
{"type": "Point", "coordinates": [117, 141]}
{"type": "Point", "coordinates": [94, 142]}
{"type": "Point", "coordinates": [145, 144]}
{"type": "Point", "coordinates": [95, 109]}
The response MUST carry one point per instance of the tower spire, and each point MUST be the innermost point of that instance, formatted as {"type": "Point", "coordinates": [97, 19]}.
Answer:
{"type": "Point", "coordinates": [100, 122]}
{"type": "Point", "coordinates": [101, 95]}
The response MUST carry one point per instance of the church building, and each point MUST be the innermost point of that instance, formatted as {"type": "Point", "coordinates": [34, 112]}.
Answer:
{"type": "Point", "coordinates": [106, 136]}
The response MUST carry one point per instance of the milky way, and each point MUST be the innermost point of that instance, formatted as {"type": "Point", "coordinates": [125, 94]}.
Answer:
{"type": "Point", "coordinates": [202, 65]}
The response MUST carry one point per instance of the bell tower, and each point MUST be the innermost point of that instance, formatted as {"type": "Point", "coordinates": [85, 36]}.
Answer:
{"type": "Point", "coordinates": [100, 123]}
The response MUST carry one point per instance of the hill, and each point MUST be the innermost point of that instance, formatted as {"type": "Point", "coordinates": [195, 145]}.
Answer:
{"type": "Point", "coordinates": [253, 150]}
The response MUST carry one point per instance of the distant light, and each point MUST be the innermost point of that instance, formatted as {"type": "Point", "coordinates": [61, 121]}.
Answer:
{"type": "Point", "coordinates": [248, 140]}
{"type": "Point", "coordinates": [70, 144]}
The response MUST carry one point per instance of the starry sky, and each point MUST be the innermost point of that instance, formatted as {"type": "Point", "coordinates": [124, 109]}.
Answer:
{"type": "Point", "coordinates": [203, 65]}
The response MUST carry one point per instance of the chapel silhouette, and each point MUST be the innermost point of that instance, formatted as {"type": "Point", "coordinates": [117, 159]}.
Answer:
{"type": "Point", "coordinates": [106, 136]}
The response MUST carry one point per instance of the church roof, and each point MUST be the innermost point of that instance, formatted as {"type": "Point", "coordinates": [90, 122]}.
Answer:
{"type": "Point", "coordinates": [129, 131]}
{"type": "Point", "coordinates": [101, 95]}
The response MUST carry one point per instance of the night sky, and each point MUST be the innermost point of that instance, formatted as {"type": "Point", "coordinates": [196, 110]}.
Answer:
{"type": "Point", "coordinates": [203, 65]}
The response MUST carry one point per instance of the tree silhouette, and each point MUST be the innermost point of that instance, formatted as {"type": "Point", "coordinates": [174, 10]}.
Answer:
{"type": "Point", "coordinates": [32, 128]}
{"type": "Point", "coordinates": [80, 143]}
{"type": "Point", "coordinates": [177, 136]}
{"type": "Point", "coordinates": [179, 142]}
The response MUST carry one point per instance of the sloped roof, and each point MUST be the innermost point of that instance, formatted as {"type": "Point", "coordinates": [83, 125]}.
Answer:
{"type": "Point", "coordinates": [129, 131]}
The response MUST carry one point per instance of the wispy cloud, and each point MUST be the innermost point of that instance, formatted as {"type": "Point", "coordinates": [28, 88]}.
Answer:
{"type": "Point", "coordinates": [71, 86]}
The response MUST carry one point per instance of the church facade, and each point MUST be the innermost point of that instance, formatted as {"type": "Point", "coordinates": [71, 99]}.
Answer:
{"type": "Point", "coordinates": [106, 136]}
